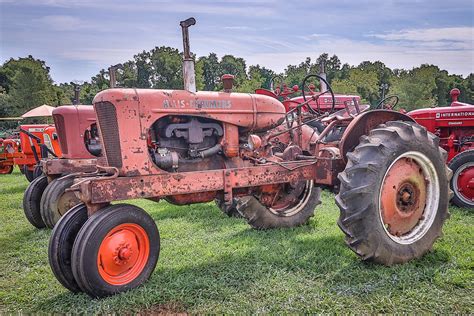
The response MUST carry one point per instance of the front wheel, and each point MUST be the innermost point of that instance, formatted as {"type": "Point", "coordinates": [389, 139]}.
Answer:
{"type": "Point", "coordinates": [29, 174]}
{"type": "Point", "coordinates": [56, 201]}
{"type": "Point", "coordinates": [394, 193]}
{"type": "Point", "coordinates": [32, 199]}
{"type": "Point", "coordinates": [116, 250]}
{"type": "Point", "coordinates": [462, 182]}
{"type": "Point", "coordinates": [60, 246]}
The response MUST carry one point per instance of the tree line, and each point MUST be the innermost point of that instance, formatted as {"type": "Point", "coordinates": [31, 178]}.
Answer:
{"type": "Point", "coordinates": [26, 82]}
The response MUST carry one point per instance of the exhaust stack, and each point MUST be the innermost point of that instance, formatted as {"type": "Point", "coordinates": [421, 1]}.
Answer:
{"type": "Point", "coordinates": [112, 74]}
{"type": "Point", "coordinates": [322, 68]}
{"type": "Point", "coordinates": [189, 75]}
{"type": "Point", "coordinates": [77, 93]}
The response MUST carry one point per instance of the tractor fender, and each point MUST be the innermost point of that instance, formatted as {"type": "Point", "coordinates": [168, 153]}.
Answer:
{"type": "Point", "coordinates": [363, 124]}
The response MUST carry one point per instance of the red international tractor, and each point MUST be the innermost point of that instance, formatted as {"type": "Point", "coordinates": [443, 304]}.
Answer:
{"type": "Point", "coordinates": [37, 141]}
{"type": "Point", "coordinates": [454, 125]}
{"type": "Point", "coordinates": [246, 151]}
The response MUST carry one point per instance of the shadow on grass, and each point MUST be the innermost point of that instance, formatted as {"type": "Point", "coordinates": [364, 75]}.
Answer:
{"type": "Point", "coordinates": [270, 257]}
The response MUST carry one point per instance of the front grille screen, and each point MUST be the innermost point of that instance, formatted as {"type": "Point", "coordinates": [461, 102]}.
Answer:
{"type": "Point", "coordinates": [107, 118]}
{"type": "Point", "coordinates": [61, 130]}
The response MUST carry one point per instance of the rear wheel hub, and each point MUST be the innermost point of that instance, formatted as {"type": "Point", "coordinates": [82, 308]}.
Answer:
{"type": "Point", "coordinates": [408, 197]}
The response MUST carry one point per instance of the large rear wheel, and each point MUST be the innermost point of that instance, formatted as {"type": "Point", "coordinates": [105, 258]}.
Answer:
{"type": "Point", "coordinates": [32, 199]}
{"type": "Point", "coordinates": [116, 250]}
{"type": "Point", "coordinates": [293, 206]}
{"type": "Point", "coordinates": [55, 201]}
{"type": "Point", "coordinates": [229, 210]}
{"type": "Point", "coordinates": [394, 193]}
{"type": "Point", "coordinates": [462, 182]}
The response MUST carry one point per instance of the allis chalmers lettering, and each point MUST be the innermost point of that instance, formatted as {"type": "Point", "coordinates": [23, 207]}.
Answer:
{"type": "Point", "coordinates": [197, 104]}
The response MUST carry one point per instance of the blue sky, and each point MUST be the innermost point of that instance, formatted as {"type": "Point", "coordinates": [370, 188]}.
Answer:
{"type": "Point", "coordinates": [77, 38]}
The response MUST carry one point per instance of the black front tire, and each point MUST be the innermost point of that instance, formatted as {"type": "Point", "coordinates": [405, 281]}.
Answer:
{"type": "Point", "coordinates": [30, 175]}
{"type": "Point", "coordinates": [360, 195]}
{"type": "Point", "coordinates": [87, 246]}
{"type": "Point", "coordinates": [60, 246]}
{"type": "Point", "coordinates": [32, 199]}
{"type": "Point", "coordinates": [55, 201]}
{"type": "Point", "coordinates": [458, 164]}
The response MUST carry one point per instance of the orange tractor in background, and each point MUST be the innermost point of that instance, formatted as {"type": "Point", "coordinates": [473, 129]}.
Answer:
{"type": "Point", "coordinates": [37, 141]}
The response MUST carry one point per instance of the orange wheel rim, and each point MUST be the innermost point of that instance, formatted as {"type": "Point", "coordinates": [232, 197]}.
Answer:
{"type": "Point", "coordinates": [403, 197]}
{"type": "Point", "coordinates": [123, 254]}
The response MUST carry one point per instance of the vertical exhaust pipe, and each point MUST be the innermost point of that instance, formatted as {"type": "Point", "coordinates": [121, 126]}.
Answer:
{"type": "Point", "coordinates": [77, 93]}
{"type": "Point", "coordinates": [112, 74]}
{"type": "Point", "coordinates": [322, 68]}
{"type": "Point", "coordinates": [189, 75]}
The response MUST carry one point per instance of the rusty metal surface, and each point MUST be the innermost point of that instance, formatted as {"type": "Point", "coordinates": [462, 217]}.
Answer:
{"type": "Point", "coordinates": [144, 107]}
{"type": "Point", "coordinates": [65, 166]}
{"type": "Point", "coordinates": [97, 190]}
{"type": "Point", "coordinates": [71, 123]}
{"type": "Point", "coordinates": [363, 123]}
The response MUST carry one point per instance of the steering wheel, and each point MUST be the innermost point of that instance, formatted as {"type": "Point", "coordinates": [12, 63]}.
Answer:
{"type": "Point", "coordinates": [316, 95]}
{"type": "Point", "coordinates": [382, 104]}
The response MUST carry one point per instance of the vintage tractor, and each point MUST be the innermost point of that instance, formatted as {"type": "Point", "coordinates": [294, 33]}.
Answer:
{"type": "Point", "coordinates": [280, 90]}
{"type": "Point", "coordinates": [37, 141]}
{"type": "Point", "coordinates": [245, 150]}
{"type": "Point", "coordinates": [46, 199]}
{"type": "Point", "coordinates": [454, 125]}
{"type": "Point", "coordinates": [9, 150]}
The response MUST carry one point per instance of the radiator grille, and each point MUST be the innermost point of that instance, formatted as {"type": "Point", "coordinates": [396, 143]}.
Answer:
{"type": "Point", "coordinates": [107, 118]}
{"type": "Point", "coordinates": [61, 130]}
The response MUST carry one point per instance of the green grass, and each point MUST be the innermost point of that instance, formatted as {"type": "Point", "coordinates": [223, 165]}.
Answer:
{"type": "Point", "coordinates": [211, 263]}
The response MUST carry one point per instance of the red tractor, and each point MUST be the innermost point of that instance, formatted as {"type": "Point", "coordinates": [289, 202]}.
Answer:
{"type": "Point", "coordinates": [46, 200]}
{"type": "Point", "coordinates": [36, 142]}
{"type": "Point", "coordinates": [454, 125]}
{"type": "Point", "coordinates": [246, 151]}
{"type": "Point", "coordinates": [9, 150]}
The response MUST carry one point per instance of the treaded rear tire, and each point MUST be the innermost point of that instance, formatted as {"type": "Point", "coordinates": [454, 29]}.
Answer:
{"type": "Point", "coordinates": [230, 211]}
{"type": "Point", "coordinates": [361, 184]}
{"type": "Point", "coordinates": [260, 216]}
{"type": "Point", "coordinates": [31, 201]}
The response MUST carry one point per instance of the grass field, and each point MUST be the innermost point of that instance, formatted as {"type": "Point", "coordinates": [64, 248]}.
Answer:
{"type": "Point", "coordinates": [212, 263]}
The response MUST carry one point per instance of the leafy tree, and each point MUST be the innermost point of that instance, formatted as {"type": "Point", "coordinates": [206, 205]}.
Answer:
{"type": "Point", "coordinates": [235, 66]}
{"type": "Point", "coordinates": [210, 71]}
{"type": "Point", "coordinates": [167, 72]}
{"type": "Point", "coordinates": [28, 83]}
